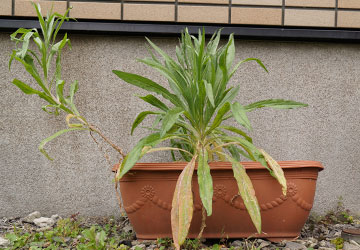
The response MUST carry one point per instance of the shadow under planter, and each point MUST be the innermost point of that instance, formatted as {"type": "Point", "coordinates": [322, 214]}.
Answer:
{"type": "Point", "coordinates": [148, 188]}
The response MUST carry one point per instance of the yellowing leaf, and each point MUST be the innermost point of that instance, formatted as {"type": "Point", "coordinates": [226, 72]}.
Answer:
{"type": "Point", "coordinates": [182, 205]}
{"type": "Point", "coordinates": [278, 173]}
{"type": "Point", "coordinates": [247, 193]}
{"type": "Point", "coordinates": [219, 151]}
{"type": "Point", "coordinates": [72, 125]}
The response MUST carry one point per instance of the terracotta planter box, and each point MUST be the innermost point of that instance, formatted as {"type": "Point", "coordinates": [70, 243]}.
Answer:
{"type": "Point", "coordinates": [148, 188]}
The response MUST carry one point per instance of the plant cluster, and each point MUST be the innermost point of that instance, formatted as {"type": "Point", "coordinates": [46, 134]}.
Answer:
{"type": "Point", "coordinates": [68, 234]}
{"type": "Point", "coordinates": [200, 100]}
{"type": "Point", "coordinates": [191, 115]}
{"type": "Point", "coordinates": [44, 65]}
{"type": "Point", "coordinates": [338, 215]}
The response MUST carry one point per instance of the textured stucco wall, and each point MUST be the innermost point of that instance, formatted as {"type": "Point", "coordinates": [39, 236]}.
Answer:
{"type": "Point", "coordinates": [324, 75]}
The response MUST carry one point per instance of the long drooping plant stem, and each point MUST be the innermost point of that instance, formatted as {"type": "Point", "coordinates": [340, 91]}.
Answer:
{"type": "Point", "coordinates": [49, 53]}
{"type": "Point", "coordinates": [107, 140]}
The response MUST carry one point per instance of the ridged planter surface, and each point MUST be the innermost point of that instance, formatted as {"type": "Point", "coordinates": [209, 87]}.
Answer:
{"type": "Point", "coordinates": [148, 188]}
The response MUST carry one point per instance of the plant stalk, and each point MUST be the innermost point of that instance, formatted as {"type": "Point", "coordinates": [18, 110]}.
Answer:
{"type": "Point", "coordinates": [107, 140]}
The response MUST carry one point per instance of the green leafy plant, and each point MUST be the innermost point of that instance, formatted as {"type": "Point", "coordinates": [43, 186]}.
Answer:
{"type": "Point", "coordinates": [338, 242]}
{"type": "Point", "coordinates": [200, 100]}
{"type": "Point", "coordinates": [96, 240]}
{"type": "Point", "coordinates": [44, 65]}
{"type": "Point", "coordinates": [67, 234]}
{"type": "Point", "coordinates": [192, 244]}
{"type": "Point", "coordinates": [164, 243]}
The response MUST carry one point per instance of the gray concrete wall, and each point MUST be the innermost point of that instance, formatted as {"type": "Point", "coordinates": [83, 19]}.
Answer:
{"type": "Point", "coordinates": [324, 75]}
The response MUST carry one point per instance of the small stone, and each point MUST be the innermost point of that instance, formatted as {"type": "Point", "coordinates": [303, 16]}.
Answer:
{"type": "Point", "coordinates": [237, 243]}
{"type": "Point", "coordinates": [151, 247]}
{"type": "Point", "coordinates": [312, 240]}
{"type": "Point", "coordinates": [354, 243]}
{"type": "Point", "coordinates": [125, 242]}
{"type": "Point", "coordinates": [337, 234]}
{"type": "Point", "coordinates": [322, 243]}
{"type": "Point", "coordinates": [44, 222]}
{"type": "Point", "coordinates": [135, 242]}
{"type": "Point", "coordinates": [30, 218]}
{"type": "Point", "coordinates": [141, 246]}
{"type": "Point", "coordinates": [127, 229]}
{"type": "Point", "coordinates": [294, 245]}
{"type": "Point", "coordinates": [326, 248]}
{"type": "Point", "coordinates": [43, 229]}
{"type": "Point", "coordinates": [55, 217]}
{"type": "Point", "coordinates": [148, 242]}
{"type": "Point", "coordinates": [264, 244]}
{"type": "Point", "coordinates": [349, 246]}
{"type": "Point", "coordinates": [4, 242]}
{"type": "Point", "coordinates": [282, 243]}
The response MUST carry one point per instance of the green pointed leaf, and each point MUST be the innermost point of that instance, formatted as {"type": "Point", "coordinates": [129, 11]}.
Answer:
{"type": "Point", "coordinates": [214, 42]}
{"type": "Point", "coordinates": [253, 152]}
{"type": "Point", "coordinates": [219, 117]}
{"type": "Point", "coordinates": [237, 131]}
{"type": "Point", "coordinates": [155, 102]}
{"type": "Point", "coordinates": [25, 46]}
{"type": "Point", "coordinates": [140, 118]}
{"type": "Point", "coordinates": [146, 84]}
{"type": "Point", "coordinates": [275, 103]}
{"type": "Point", "coordinates": [182, 205]}
{"type": "Point", "coordinates": [169, 119]}
{"type": "Point", "coordinates": [59, 90]}
{"type": "Point", "coordinates": [230, 52]}
{"type": "Point", "coordinates": [209, 92]}
{"type": "Point", "coordinates": [43, 142]}
{"type": "Point", "coordinates": [229, 97]}
{"type": "Point", "coordinates": [240, 115]}
{"type": "Point", "coordinates": [137, 152]}
{"type": "Point", "coordinates": [247, 193]}
{"type": "Point", "coordinates": [277, 171]}
{"type": "Point", "coordinates": [54, 107]}
{"type": "Point", "coordinates": [62, 19]}
{"type": "Point", "coordinates": [152, 150]}
{"type": "Point", "coordinates": [73, 89]}
{"type": "Point", "coordinates": [30, 91]}
{"type": "Point", "coordinates": [235, 152]}
{"type": "Point", "coordinates": [161, 52]}
{"type": "Point", "coordinates": [205, 181]}
{"type": "Point", "coordinates": [247, 60]}
{"type": "Point", "coordinates": [25, 88]}
{"type": "Point", "coordinates": [41, 19]}
{"type": "Point", "coordinates": [28, 63]}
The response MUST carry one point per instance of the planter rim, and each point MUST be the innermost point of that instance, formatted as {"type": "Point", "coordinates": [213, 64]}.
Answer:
{"type": "Point", "coordinates": [160, 166]}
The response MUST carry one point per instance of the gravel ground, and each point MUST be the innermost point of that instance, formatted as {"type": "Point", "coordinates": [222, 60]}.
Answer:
{"type": "Point", "coordinates": [37, 232]}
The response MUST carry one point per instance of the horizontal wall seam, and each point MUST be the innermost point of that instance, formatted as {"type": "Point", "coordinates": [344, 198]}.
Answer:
{"type": "Point", "coordinates": [174, 29]}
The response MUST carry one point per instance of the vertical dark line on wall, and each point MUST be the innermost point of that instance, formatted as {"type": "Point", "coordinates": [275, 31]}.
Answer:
{"type": "Point", "coordinates": [122, 10]}
{"type": "Point", "coordinates": [67, 7]}
{"type": "Point", "coordinates": [230, 5]}
{"type": "Point", "coordinates": [176, 10]}
{"type": "Point", "coordinates": [283, 13]}
{"type": "Point", "coordinates": [13, 8]}
{"type": "Point", "coordinates": [336, 12]}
